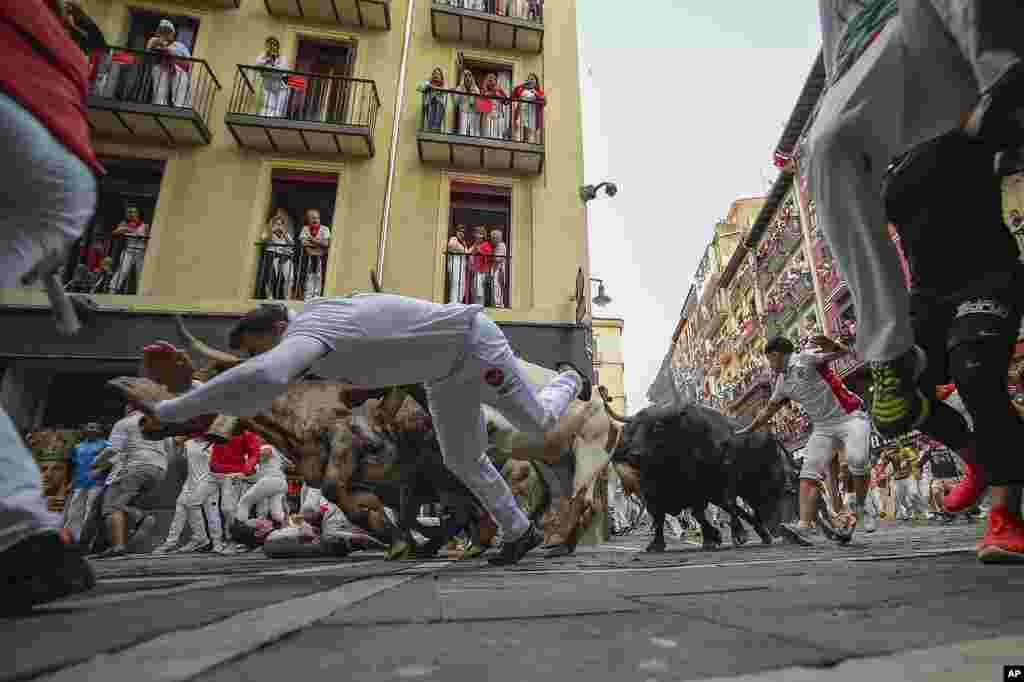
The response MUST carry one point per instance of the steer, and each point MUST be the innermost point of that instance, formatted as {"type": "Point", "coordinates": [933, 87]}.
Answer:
{"type": "Point", "coordinates": [686, 458]}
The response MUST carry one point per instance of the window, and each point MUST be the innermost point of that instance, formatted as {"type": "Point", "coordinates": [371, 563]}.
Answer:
{"type": "Point", "coordinates": [296, 239]}
{"type": "Point", "coordinates": [109, 257]}
{"type": "Point", "coordinates": [142, 25]}
{"type": "Point", "coordinates": [478, 254]}
{"type": "Point", "coordinates": [324, 94]}
{"type": "Point", "coordinates": [151, 78]}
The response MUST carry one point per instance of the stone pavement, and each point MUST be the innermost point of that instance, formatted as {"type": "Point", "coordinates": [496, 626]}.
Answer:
{"type": "Point", "coordinates": [610, 612]}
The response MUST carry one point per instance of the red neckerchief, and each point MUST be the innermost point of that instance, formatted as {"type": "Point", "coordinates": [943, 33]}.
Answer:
{"type": "Point", "coordinates": [313, 229]}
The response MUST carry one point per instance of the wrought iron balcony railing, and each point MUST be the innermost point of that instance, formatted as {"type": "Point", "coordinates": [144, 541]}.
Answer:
{"type": "Point", "coordinates": [276, 110]}
{"type": "Point", "coordinates": [454, 112]}
{"type": "Point", "coordinates": [481, 131]}
{"type": "Point", "coordinates": [478, 278]}
{"type": "Point", "coordinates": [106, 264]}
{"type": "Point", "coordinates": [504, 24]}
{"type": "Point", "coordinates": [289, 271]}
{"type": "Point", "coordinates": [150, 93]}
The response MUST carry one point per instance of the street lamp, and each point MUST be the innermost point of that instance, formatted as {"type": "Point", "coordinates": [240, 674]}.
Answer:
{"type": "Point", "coordinates": [602, 299]}
{"type": "Point", "coordinates": [589, 192]}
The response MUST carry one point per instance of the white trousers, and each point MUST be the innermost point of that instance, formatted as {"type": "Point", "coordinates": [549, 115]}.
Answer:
{"type": "Point", "coordinates": [851, 434]}
{"type": "Point", "coordinates": [220, 495]}
{"type": "Point", "coordinates": [909, 501]}
{"type": "Point", "coordinates": [171, 87]}
{"type": "Point", "coordinates": [131, 259]}
{"type": "Point", "coordinates": [194, 517]}
{"type": "Point", "coordinates": [917, 80]}
{"type": "Point", "coordinates": [271, 489]}
{"type": "Point", "coordinates": [79, 506]}
{"type": "Point", "coordinates": [491, 374]}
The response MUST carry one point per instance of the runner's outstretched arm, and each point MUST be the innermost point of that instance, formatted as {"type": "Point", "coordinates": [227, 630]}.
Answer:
{"type": "Point", "coordinates": [249, 388]}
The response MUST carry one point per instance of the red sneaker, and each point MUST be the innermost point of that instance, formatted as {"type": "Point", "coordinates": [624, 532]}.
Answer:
{"type": "Point", "coordinates": [1004, 538]}
{"type": "Point", "coordinates": [968, 490]}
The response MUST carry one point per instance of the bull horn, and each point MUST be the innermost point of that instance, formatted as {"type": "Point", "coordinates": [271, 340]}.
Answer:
{"type": "Point", "coordinates": [608, 408]}
{"type": "Point", "coordinates": [201, 348]}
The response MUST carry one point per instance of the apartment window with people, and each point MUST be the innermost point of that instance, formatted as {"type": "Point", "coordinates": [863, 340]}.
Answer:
{"type": "Point", "coordinates": [478, 253]}
{"type": "Point", "coordinates": [153, 64]}
{"type": "Point", "coordinates": [296, 238]}
{"type": "Point", "coordinates": [109, 256]}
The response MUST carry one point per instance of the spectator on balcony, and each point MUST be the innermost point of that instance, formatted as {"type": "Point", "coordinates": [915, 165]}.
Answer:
{"type": "Point", "coordinates": [275, 85]}
{"type": "Point", "coordinates": [434, 100]}
{"type": "Point", "coordinates": [315, 239]}
{"type": "Point", "coordinates": [466, 105]}
{"type": "Point", "coordinates": [481, 264]}
{"type": "Point", "coordinates": [493, 108]}
{"type": "Point", "coordinates": [134, 232]}
{"type": "Point", "coordinates": [500, 281]}
{"type": "Point", "coordinates": [171, 81]}
{"type": "Point", "coordinates": [278, 268]}
{"type": "Point", "coordinates": [85, 33]}
{"type": "Point", "coordinates": [528, 109]}
{"type": "Point", "coordinates": [457, 265]}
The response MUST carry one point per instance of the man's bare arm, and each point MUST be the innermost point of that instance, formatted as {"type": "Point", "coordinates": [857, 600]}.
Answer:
{"type": "Point", "coordinates": [763, 417]}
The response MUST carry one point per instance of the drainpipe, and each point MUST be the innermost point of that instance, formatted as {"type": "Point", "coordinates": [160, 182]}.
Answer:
{"type": "Point", "coordinates": [385, 220]}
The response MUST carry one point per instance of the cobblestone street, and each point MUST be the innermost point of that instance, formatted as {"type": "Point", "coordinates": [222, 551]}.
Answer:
{"type": "Point", "coordinates": [609, 612]}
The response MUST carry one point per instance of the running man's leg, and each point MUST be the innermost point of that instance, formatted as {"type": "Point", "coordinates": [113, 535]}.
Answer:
{"type": "Point", "coordinates": [265, 488]}
{"type": "Point", "coordinates": [247, 389]}
{"type": "Point", "coordinates": [462, 435]}
{"type": "Point", "coordinates": [506, 387]}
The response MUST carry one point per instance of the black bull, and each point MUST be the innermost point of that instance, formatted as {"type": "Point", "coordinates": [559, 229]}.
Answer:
{"type": "Point", "coordinates": [691, 457]}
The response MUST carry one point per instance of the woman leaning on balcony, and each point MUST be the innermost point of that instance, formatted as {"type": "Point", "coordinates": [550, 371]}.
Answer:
{"type": "Point", "coordinates": [274, 98]}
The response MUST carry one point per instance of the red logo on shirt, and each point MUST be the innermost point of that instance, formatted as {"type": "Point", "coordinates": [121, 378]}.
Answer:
{"type": "Point", "coordinates": [494, 377]}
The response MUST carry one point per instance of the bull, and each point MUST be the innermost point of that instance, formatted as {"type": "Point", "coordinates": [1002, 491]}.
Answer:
{"type": "Point", "coordinates": [686, 458]}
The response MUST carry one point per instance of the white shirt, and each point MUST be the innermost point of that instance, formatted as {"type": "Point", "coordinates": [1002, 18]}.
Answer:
{"type": "Point", "coordinates": [803, 383]}
{"type": "Point", "coordinates": [197, 454]}
{"type": "Point", "coordinates": [126, 438]}
{"type": "Point", "coordinates": [380, 340]}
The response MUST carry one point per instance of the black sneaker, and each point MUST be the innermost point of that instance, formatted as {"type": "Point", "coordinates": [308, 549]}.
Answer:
{"type": "Point", "coordinates": [998, 118]}
{"type": "Point", "coordinates": [512, 551]}
{"type": "Point", "coordinates": [897, 404]}
{"type": "Point", "coordinates": [587, 389]}
{"type": "Point", "coordinates": [43, 568]}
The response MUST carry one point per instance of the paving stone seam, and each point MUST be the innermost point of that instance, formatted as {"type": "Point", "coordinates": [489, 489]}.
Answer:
{"type": "Point", "coordinates": [184, 653]}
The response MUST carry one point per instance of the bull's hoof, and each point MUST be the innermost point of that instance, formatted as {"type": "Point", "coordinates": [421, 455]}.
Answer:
{"type": "Point", "coordinates": [559, 551]}
{"type": "Point", "coordinates": [741, 538]}
{"type": "Point", "coordinates": [401, 551]}
{"type": "Point", "coordinates": [655, 547]}
{"type": "Point", "coordinates": [767, 539]}
{"type": "Point", "coordinates": [710, 545]}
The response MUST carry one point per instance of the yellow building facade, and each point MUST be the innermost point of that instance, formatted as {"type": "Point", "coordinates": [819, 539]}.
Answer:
{"type": "Point", "coordinates": [209, 148]}
{"type": "Point", "coordinates": [609, 360]}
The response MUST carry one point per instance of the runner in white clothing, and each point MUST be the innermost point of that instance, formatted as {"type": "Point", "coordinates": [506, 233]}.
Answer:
{"type": "Point", "coordinates": [377, 340]}
{"type": "Point", "coordinates": [838, 419]}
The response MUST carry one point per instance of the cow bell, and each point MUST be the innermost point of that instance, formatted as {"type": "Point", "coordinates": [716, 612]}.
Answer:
{"type": "Point", "coordinates": [223, 428]}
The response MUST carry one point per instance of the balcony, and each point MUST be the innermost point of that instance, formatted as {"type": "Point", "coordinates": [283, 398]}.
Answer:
{"type": "Point", "coordinates": [110, 265]}
{"type": "Point", "coordinates": [375, 14]}
{"type": "Point", "coordinates": [787, 299]}
{"type": "Point", "coordinates": [480, 132]}
{"type": "Point", "coordinates": [295, 112]}
{"type": "Point", "coordinates": [146, 96]}
{"type": "Point", "coordinates": [483, 22]}
{"type": "Point", "coordinates": [483, 279]}
{"type": "Point", "coordinates": [286, 271]}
